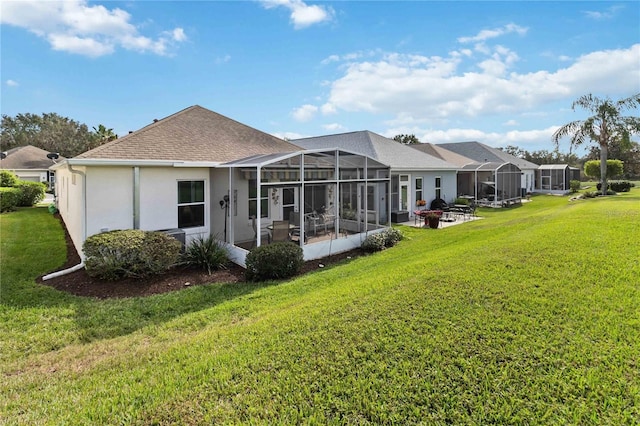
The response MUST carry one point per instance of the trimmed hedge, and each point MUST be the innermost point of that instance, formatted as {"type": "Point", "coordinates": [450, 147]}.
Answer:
{"type": "Point", "coordinates": [130, 254]}
{"type": "Point", "coordinates": [32, 192]}
{"type": "Point", "coordinates": [7, 178]}
{"type": "Point", "coordinates": [9, 199]}
{"type": "Point", "coordinates": [274, 261]}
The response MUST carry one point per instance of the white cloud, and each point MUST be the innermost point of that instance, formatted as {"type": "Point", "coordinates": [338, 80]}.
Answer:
{"type": "Point", "coordinates": [485, 35]}
{"type": "Point", "coordinates": [510, 123]}
{"type": "Point", "coordinates": [178, 34]}
{"type": "Point", "coordinates": [223, 59]}
{"type": "Point", "coordinates": [530, 140]}
{"type": "Point", "coordinates": [333, 127]}
{"type": "Point", "coordinates": [328, 109]}
{"type": "Point", "coordinates": [432, 88]}
{"type": "Point", "coordinates": [302, 14]}
{"type": "Point", "coordinates": [12, 83]}
{"type": "Point", "coordinates": [607, 14]}
{"type": "Point", "coordinates": [289, 135]}
{"type": "Point", "coordinates": [92, 30]}
{"type": "Point", "coordinates": [305, 112]}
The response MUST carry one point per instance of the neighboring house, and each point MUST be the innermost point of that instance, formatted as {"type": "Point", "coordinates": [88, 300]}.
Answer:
{"type": "Point", "coordinates": [414, 176]}
{"type": "Point", "coordinates": [492, 181]}
{"type": "Point", "coordinates": [30, 163]}
{"type": "Point", "coordinates": [198, 173]}
{"type": "Point", "coordinates": [482, 153]}
{"type": "Point", "coordinates": [555, 178]}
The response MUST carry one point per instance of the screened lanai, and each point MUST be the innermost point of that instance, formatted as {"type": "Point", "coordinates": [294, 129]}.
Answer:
{"type": "Point", "coordinates": [555, 178]}
{"type": "Point", "coordinates": [329, 199]}
{"type": "Point", "coordinates": [491, 184]}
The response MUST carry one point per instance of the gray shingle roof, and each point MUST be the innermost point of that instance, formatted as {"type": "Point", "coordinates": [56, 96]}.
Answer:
{"type": "Point", "coordinates": [385, 150]}
{"type": "Point", "coordinates": [484, 153]}
{"type": "Point", "coordinates": [193, 134]}
{"type": "Point", "coordinates": [27, 157]}
{"type": "Point", "coordinates": [444, 154]}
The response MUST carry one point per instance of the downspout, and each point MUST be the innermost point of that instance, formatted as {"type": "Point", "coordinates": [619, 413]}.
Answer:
{"type": "Point", "coordinates": [136, 197]}
{"type": "Point", "coordinates": [84, 226]}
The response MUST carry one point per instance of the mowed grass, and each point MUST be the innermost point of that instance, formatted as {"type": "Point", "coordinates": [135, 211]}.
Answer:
{"type": "Point", "coordinates": [528, 316]}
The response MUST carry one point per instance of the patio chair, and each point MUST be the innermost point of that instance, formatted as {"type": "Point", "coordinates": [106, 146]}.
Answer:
{"type": "Point", "coordinates": [263, 231]}
{"type": "Point", "coordinates": [280, 231]}
{"type": "Point", "coordinates": [294, 219]}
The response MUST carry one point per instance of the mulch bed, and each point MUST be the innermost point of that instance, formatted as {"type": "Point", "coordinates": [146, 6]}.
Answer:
{"type": "Point", "coordinates": [81, 284]}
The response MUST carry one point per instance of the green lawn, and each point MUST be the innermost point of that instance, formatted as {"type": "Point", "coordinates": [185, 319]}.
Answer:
{"type": "Point", "coordinates": [529, 316]}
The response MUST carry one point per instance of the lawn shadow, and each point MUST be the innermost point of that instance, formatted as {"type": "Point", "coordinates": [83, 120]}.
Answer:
{"type": "Point", "coordinates": [106, 319]}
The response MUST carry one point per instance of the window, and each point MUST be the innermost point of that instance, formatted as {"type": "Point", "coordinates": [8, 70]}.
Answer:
{"type": "Point", "coordinates": [190, 203]}
{"type": "Point", "coordinates": [438, 192]}
{"type": "Point", "coordinates": [419, 189]}
{"type": "Point", "coordinates": [253, 199]}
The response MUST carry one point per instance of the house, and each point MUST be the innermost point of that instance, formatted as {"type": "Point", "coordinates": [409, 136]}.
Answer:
{"type": "Point", "coordinates": [414, 176]}
{"type": "Point", "coordinates": [198, 173]}
{"type": "Point", "coordinates": [555, 178]}
{"type": "Point", "coordinates": [487, 175]}
{"type": "Point", "coordinates": [30, 163]}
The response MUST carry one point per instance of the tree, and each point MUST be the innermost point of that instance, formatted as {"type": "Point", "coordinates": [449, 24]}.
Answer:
{"type": "Point", "coordinates": [614, 168]}
{"type": "Point", "coordinates": [513, 150]}
{"type": "Point", "coordinates": [103, 134]}
{"type": "Point", "coordinates": [48, 131]}
{"type": "Point", "coordinates": [604, 126]}
{"type": "Point", "coordinates": [406, 139]}
{"type": "Point", "coordinates": [625, 150]}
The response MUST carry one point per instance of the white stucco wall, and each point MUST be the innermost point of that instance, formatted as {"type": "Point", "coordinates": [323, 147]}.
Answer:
{"type": "Point", "coordinates": [109, 199]}
{"type": "Point", "coordinates": [69, 195]}
{"type": "Point", "coordinates": [159, 198]}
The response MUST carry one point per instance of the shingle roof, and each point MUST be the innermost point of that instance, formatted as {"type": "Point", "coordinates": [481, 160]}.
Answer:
{"type": "Point", "coordinates": [385, 150]}
{"type": "Point", "coordinates": [27, 157]}
{"type": "Point", "coordinates": [444, 154]}
{"type": "Point", "coordinates": [193, 134]}
{"type": "Point", "coordinates": [484, 153]}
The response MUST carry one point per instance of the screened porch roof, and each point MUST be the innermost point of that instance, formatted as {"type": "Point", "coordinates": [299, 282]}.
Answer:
{"type": "Point", "coordinates": [553, 166]}
{"type": "Point", "coordinates": [313, 158]}
{"type": "Point", "coordinates": [489, 166]}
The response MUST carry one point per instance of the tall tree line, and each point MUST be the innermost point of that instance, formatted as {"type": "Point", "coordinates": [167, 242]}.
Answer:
{"type": "Point", "coordinates": [52, 133]}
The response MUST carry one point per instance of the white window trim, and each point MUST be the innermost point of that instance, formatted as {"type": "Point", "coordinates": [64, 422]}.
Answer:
{"type": "Point", "coordinates": [204, 202]}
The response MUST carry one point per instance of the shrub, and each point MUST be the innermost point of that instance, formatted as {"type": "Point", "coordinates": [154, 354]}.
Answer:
{"type": "Point", "coordinates": [574, 185]}
{"type": "Point", "coordinates": [590, 194]}
{"type": "Point", "coordinates": [462, 201]}
{"type": "Point", "coordinates": [9, 198]}
{"type": "Point", "coordinates": [392, 236]}
{"type": "Point", "coordinates": [32, 192]}
{"type": "Point", "coordinates": [622, 186]}
{"type": "Point", "coordinates": [374, 242]}
{"type": "Point", "coordinates": [274, 261]}
{"type": "Point", "coordinates": [130, 254]}
{"type": "Point", "coordinates": [7, 179]}
{"type": "Point", "coordinates": [206, 253]}
{"type": "Point", "coordinates": [382, 240]}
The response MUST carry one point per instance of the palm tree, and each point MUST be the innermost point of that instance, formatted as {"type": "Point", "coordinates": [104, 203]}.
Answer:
{"type": "Point", "coordinates": [103, 134]}
{"type": "Point", "coordinates": [605, 125]}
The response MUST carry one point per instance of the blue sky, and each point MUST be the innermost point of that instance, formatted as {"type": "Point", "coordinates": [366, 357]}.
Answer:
{"type": "Point", "coordinates": [497, 72]}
